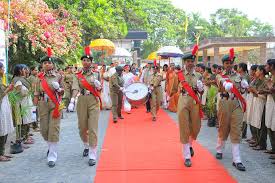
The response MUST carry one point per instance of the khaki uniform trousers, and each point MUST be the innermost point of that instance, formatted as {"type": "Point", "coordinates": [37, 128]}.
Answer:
{"type": "Point", "coordinates": [189, 118]}
{"type": "Point", "coordinates": [230, 117]}
{"type": "Point", "coordinates": [67, 94]}
{"type": "Point", "coordinates": [88, 115]}
{"type": "Point", "coordinates": [116, 104]}
{"type": "Point", "coordinates": [49, 126]}
{"type": "Point", "coordinates": [156, 97]}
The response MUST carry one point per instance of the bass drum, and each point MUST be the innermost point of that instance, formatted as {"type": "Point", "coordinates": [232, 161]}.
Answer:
{"type": "Point", "coordinates": [136, 93]}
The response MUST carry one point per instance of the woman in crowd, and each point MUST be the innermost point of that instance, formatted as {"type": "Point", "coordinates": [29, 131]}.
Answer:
{"type": "Point", "coordinates": [164, 98]}
{"type": "Point", "coordinates": [128, 78]}
{"type": "Point", "coordinates": [23, 89]}
{"type": "Point", "coordinates": [6, 123]}
{"type": "Point", "coordinates": [249, 101]}
{"type": "Point", "coordinates": [258, 116]}
{"type": "Point", "coordinates": [270, 108]}
{"type": "Point", "coordinates": [242, 70]}
{"type": "Point", "coordinates": [105, 95]}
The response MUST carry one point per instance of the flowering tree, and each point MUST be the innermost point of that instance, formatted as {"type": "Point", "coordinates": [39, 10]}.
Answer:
{"type": "Point", "coordinates": [34, 27]}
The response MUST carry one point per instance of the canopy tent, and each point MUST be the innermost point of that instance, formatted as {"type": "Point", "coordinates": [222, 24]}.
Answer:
{"type": "Point", "coordinates": [121, 52]}
{"type": "Point", "coordinates": [170, 51]}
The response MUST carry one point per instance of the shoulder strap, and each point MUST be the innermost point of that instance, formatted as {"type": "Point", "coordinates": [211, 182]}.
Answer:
{"type": "Point", "coordinates": [89, 87]}
{"type": "Point", "coordinates": [236, 92]}
{"type": "Point", "coordinates": [190, 91]}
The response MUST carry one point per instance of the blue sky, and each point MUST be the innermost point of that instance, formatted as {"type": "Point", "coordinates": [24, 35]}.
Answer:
{"type": "Point", "coordinates": [264, 10]}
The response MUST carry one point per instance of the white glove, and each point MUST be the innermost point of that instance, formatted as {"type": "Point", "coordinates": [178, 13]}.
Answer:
{"type": "Point", "coordinates": [244, 84]}
{"type": "Point", "coordinates": [71, 105]}
{"type": "Point", "coordinates": [97, 84]}
{"type": "Point", "coordinates": [199, 85]}
{"type": "Point", "coordinates": [121, 88]}
{"type": "Point", "coordinates": [227, 86]}
{"type": "Point", "coordinates": [55, 85]}
{"type": "Point", "coordinates": [92, 79]}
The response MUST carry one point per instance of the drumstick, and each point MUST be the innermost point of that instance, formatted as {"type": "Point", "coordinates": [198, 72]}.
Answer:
{"type": "Point", "coordinates": [135, 91]}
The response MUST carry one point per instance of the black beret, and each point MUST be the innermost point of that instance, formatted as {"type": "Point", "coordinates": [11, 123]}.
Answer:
{"type": "Point", "coordinates": [119, 68]}
{"type": "Point", "coordinates": [270, 61]}
{"type": "Point", "coordinates": [86, 56]}
{"type": "Point", "coordinates": [46, 58]}
{"type": "Point", "coordinates": [189, 56]}
{"type": "Point", "coordinates": [227, 58]}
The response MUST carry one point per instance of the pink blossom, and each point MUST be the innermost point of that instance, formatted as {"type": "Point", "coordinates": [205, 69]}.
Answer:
{"type": "Point", "coordinates": [47, 35]}
{"type": "Point", "coordinates": [61, 28]}
{"type": "Point", "coordinates": [48, 17]}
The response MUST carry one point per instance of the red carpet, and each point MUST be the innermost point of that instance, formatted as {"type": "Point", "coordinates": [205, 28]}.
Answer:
{"type": "Point", "coordinates": [137, 150]}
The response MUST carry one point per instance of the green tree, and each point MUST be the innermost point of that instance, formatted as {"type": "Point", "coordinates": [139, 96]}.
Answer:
{"type": "Point", "coordinates": [234, 23]}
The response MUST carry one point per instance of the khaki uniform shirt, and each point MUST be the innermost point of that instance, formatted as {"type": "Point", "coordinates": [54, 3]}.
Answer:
{"type": "Point", "coordinates": [77, 85]}
{"type": "Point", "coordinates": [156, 80]}
{"type": "Point", "coordinates": [147, 76]}
{"type": "Point", "coordinates": [34, 80]}
{"type": "Point", "coordinates": [234, 77]}
{"type": "Point", "coordinates": [68, 80]}
{"type": "Point", "coordinates": [190, 78]}
{"type": "Point", "coordinates": [50, 77]}
{"type": "Point", "coordinates": [115, 83]}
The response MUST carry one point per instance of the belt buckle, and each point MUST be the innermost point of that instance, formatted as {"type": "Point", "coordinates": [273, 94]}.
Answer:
{"type": "Point", "coordinates": [46, 97]}
{"type": "Point", "coordinates": [87, 92]}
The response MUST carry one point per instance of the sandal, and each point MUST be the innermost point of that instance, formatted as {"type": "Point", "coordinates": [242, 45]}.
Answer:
{"type": "Point", "coordinates": [9, 156]}
{"type": "Point", "coordinates": [269, 151]}
{"type": "Point", "coordinates": [25, 146]}
{"type": "Point", "coordinates": [29, 141]}
{"type": "Point", "coordinates": [4, 159]}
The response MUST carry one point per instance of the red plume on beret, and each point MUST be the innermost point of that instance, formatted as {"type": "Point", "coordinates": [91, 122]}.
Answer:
{"type": "Point", "coordinates": [231, 54]}
{"type": "Point", "coordinates": [195, 49]}
{"type": "Point", "coordinates": [155, 62]}
{"type": "Point", "coordinates": [49, 52]}
{"type": "Point", "coordinates": [87, 51]}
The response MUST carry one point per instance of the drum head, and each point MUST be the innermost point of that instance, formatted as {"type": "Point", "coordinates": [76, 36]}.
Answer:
{"type": "Point", "coordinates": [136, 91]}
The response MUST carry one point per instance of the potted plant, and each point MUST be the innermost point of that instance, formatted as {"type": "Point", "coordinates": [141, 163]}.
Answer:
{"type": "Point", "coordinates": [211, 109]}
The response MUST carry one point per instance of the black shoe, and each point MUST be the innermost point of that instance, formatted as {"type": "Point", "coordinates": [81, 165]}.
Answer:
{"type": "Point", "coordinates": [219, 156]}
{"type": "Point", "coordinates": [120, 117]}
{"type": "Point", "coordinates": [51, 164]}
{"type": "Point", "coordinates": [115, 120]}
{"type": "Point", "coordinates": [192, 151]}
{"type": "Point", "coordinates": [239, 166]}
{"type": "Point", "coordinates": [85, 152]}
{"type": "Point", "coordinates": [91, 162]}
{"type": "Point", "coordinates": [48, 153]}
{"type": "Point", "coordinates": [188, 163]}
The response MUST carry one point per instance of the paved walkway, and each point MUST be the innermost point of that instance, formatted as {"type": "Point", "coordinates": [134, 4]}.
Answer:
{"type": "Point", "coordinates": [71, 167]}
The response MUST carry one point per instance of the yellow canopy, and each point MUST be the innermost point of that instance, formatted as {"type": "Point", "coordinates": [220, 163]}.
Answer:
{"type": "Point", "coordinates": [103, 45]}
{"type": "Point", "coordinates": [153, 56]}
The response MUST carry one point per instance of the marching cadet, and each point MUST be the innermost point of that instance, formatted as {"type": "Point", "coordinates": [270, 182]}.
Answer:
{"type": "Point", "coordinates": [230, 110]}
{"type": "Point", "coordinates": [155, 90]}
{"type": "Point", "coordinates": [146, 78]}
{"type": "Point", "coordinates": [68, 81]}
{"type": "Point", "coordinates": [88, 106]}
{"type": "Point", "coordinates": [47, 96]}
{"type": "Point", "coordinates": [189, 106]}
{"type": "Point", "coordinates": [33, 79]}
{"type": "Point", "coordinates": [116, 92]}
